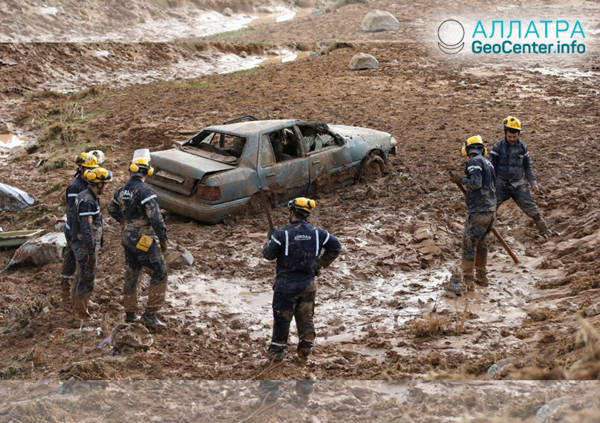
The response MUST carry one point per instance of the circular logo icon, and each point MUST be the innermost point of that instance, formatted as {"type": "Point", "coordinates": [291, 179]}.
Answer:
{"type": "Point", "coordinates": [451, 34]}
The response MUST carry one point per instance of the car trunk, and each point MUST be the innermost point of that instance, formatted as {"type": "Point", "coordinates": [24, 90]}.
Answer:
{"type": "Point", "coordinates": [179, 171]}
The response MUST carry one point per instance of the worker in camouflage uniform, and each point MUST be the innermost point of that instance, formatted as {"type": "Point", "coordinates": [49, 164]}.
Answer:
{"type": "Point", "coordinates": [297, 248]}
{"type": "Point", "coordinates": [144, 240]}
{"type": "Point", "coordinates": [480, 184]}
{"type": "Point", "coordinates": [84, 162]}
{"type": "Point", "coordinates": [87, 238]}
{"type": "Point", "coordinates": [514, 173]}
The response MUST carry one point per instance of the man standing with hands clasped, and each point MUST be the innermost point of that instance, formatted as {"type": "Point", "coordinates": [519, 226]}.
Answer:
{"type": "Point", "coordinates": [297, 248]}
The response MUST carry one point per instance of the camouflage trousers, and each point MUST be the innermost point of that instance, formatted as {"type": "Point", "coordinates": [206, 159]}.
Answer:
{"type": "Point", "coordinates": [136, 260]}
{"type": "Point", "coordinates": [301, 307]}
{"type": "Point", "coordinates": [521, 195]}
{"type": "Point", "coordinates": [477, 227]}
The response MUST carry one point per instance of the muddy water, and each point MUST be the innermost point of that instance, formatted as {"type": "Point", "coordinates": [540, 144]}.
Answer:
{"type": "Point", "coordinates": [286, 16]}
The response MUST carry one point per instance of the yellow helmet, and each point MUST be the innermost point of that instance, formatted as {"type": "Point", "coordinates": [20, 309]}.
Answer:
{"type": "Point", "coordinates": [97, 176]}
{"type": "Point", "coordinates": [141, 165]}
{"type": "Point", "coordinates": [87, 160]}
{"type": "Point", "coordinates": [512, 123]}
{"type": "Point", "coordinates": [475, 141]}
{"type": "Point", "coordinates": [302, 203]}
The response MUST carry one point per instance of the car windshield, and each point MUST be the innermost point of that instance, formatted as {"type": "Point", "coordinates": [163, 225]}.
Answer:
{"type": "Point", "coordinates": [217, 146]}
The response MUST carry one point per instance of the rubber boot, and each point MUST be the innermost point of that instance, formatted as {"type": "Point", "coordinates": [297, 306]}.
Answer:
{"type": "Point", "coordinates": [304, 348]}
{"type": "Point", "coordinates": [151, 320]}
{"type": "Point", "coordinates": [65, 294]}
{"type": "Point", "coordinates": [467, 267]}
{"type": "Point", "coordinates": [540, 224]}
{"type": "Point", "coordinates": [276, 352]}
{"type": "Point", "coordinates": [130, 317]}
{"type": "Point", "coordinates": [481, 278]}
{"type": "Point", "coordinates": [80, 306]}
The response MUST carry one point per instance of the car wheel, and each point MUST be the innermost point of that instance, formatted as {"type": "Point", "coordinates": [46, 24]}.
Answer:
{"type": "Point", "coordinates": [372, 168]}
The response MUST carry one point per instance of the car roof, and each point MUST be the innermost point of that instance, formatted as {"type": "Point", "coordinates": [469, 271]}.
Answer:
{"type": "Point", "coordinates": [253, 127]}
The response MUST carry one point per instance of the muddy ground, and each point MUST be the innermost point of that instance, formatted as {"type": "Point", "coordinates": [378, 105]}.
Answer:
{"type": "Point", "coordinates": [380, 312]}
{"type": "Point", "coordinates": [353, 401]}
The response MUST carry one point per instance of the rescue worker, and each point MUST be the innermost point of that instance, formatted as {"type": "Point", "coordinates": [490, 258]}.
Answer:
{"type": "Point", "coordinates": [87, 238]}
{"type": "Point", "coordinates": [84, 162]}
{"type": "Point", "coordinates": [480, 184]}
{"type": "Point", "coordinates": [514, 172]}
{"type": "Point", "coordinates": [297, 248]}
{"type": "Point", "coordinates": [144, 240]}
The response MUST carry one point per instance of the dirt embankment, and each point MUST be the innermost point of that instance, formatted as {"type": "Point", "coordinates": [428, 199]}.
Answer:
{"type": "Point", "coordinates": [400, 233]}
{"type": "Point", "coordinates": [134, 21]}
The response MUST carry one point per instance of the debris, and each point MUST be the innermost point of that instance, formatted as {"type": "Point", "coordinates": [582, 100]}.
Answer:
{"type": "Point", "coordinates": [378, 20]}
{"type": "Point", "coordinates": [46, 249]}
{"type": "Point", "coordinates": [592, 310]}
{"type": "Point", "coordinates": [130, 338]}
{"type": "Point", "coordinates": [13, 199]}
{"type": "Point", "coordinates": [227, 12]}
{"type": "Point", "coordinates": [178, 257]}
{"type": "Point", "coordinates": [363, 61]}
{"type": "Point", "coordinates": [17, 238]}
{"type": "Point", "coordinates": [104, 343]}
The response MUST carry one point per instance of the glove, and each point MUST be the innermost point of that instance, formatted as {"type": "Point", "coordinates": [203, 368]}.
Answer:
{"type": "Point", "coordinates": [454, 178]}
{"type": "Point", "coordinates": [91, 261]}
{"type": "Point", "coordinates": [270, 233]}
{"type": "Point", "coordinates": [164, 246]}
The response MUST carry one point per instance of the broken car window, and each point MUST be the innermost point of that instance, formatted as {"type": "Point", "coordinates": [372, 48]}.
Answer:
{"type": "Point", "coordinates": [315, 139]}
{"type": "Point", "coordinates": [267, 158]}
{"type": "Point", "coordinates": [285, 145]}
{"type": "Point", "coordinates": [222, 144]}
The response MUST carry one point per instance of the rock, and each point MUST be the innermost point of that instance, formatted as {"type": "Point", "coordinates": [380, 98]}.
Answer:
{"type": "Point", "coordinates": [378, 20]}
{"type": "Point", "coordinates": [243, 54]}
{"type": "Point", "coordinates": [592, 310]}
{"type": "Point", "coordinates": [492, 371]}
{"type": "Point", "coordinates": [556, 403]}
{"type": "Point", "coordinates": [13, 199]}
{"type": "Point", "coordinates": [17, 153]}
{"type": "Point", "coordinates": [227, 12]}
{"type": "Point", "coordinates": [43, 250]}
{"type": "Point", "coordinates": [134, 336]}
{"type": "Point", "coordinates": [363, 61]}
{"type": "Point", "coordinates": [178, 257]}
{"type": "Point", "coordinates": [543, 414]}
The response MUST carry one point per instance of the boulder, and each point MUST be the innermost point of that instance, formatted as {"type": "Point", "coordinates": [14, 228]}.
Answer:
{"type": "Point", "coordinates": [134, 336]}
{"type": "Point", "coordinates": [227, 12]}
{"type": "Point", "coordinates": [178, 257]}
{"type": "Point", "coordinates": [593, 310]}
{"type": "Point", "coordinates": [378, 20]}
{"type": "Point", "coordinates": [243, 54]}
{"type": "Point", "coordinates": [46, 249]}
{"type": "Point", "coordinates": [13, 199]}
{"type": "Point", "coordinates": [363, 61]}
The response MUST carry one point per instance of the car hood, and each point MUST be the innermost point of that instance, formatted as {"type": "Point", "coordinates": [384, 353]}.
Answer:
{"type": "Point", "coordinates": [186, 164]}
{"type": "Point", "coordinates": [369, 135]}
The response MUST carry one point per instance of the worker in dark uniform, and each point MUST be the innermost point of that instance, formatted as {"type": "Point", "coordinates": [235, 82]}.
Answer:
{"type": "Point", "coordinates": [87, 238]}
{"type": "Point", "coordinates": [144, 240]}
{"type": "Point", "coordinates": [514, 173]}
{"type": "Point", "coordinates": [480, 183]}
{"type": "Point", "coordinates": [84, 162]}
{"type": "Point", "coordinates": [297, 248]}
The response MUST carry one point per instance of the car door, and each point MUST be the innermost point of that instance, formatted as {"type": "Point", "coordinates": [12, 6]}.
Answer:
{"type": "Point", "coordinates": [330, 158]}
{"type": "Point", "coordinates": [287, 179]}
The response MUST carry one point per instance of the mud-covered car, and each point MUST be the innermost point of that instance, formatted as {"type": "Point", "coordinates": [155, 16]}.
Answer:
{"type": "Point", "coordinates": [222, 167]}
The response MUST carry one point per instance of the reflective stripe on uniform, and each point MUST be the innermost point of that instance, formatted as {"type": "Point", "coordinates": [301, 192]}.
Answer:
{"type": "Point", "coordinates": [493, 152]}
{"type": "Point", "coordinates": [317, 239]}
{"type": "Point", "coordinates": [67, 226]}
{"type": "Point", "coordinates": [278, 345]}
{"type": "Point", "coordinates": [89, 213]}
{"type": "Point", "coordinates": [144, 201]}
{"type": "Point", "coordinates": [275, 239]}
{"type": "Point", "coordinates": [472, 168]}
{"type": "Point", "coordinates": [287, 242]}
{"type": "Point", "coordinates": [326, 239]}
{"type": "Point", "coordinates": [71, 195]}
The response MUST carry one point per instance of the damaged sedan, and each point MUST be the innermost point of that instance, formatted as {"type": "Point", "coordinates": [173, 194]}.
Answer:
{"type": "Point", "coordinates": [219, 170]}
